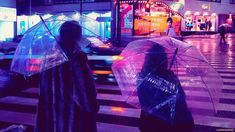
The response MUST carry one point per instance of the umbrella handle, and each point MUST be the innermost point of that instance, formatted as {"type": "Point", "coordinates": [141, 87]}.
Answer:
{"type": "Point", "coordinates": [174, 57]}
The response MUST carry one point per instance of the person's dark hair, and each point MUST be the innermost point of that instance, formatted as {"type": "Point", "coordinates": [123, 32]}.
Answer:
{"type": "Point", "coordinates": [169, 19]}
{"type": "Point", "coordinates": [70, 33]}
{"type": "Point", "coordinates": [155, 59]}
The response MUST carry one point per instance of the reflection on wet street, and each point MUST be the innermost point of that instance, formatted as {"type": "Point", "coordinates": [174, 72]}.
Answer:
{"type": "Point", "coordinates": [221, 57]}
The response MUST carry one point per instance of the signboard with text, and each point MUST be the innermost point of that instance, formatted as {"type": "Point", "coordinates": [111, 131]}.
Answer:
{"type": "Point", "coordinates": [126, 18]}
{"type": "Point", "coordinates": [154, 25]}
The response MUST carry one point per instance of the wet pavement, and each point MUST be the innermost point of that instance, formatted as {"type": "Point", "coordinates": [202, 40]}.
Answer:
{"type": "Point", "coordinates": [222, 58]}
{"type": "Point", "coordinates": [117, 116]}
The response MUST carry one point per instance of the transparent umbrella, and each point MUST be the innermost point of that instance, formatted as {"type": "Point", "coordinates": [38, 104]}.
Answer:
{"type": "Point", "coordinates": [225, 25]}
{"type": "Point", "coordinates": [39, 49]}
{"type": "Point", "coordinates": [154, 71]}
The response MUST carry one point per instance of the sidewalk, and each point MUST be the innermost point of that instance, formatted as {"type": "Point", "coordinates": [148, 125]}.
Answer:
{"type": "Point", "coordinates": [214, 36]}
{"type": "Point", "coordinates": [127, 39]}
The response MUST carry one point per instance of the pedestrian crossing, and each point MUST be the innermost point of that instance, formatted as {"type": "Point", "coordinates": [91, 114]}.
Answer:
{"type": "Point", "coordinates": [117, 116]}
{"type": "Point", "coordinates": [113, 110]}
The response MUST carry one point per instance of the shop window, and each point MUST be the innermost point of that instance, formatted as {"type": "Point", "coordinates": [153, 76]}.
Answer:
{"type": "Point", "coordinates": [199, 22]}
{"type": "Point", "coordinates": [151, 18]}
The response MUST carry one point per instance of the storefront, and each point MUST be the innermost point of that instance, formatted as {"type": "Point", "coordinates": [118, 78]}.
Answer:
{"type": "Point", "coordinates": [199, 21]}
{"type": "Point", "coordinates": [143, 17]}
{"type": "Point", "coordinates": [7, 19]}
{"type": "Point", "coordinates": [25, 22]}
{"type": "Point", "coordinates": [98, 23]}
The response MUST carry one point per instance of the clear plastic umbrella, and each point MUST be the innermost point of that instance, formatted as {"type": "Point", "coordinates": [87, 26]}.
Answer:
{"type": "Point", "coordinates": [39, 49]}
{"type": "Point", "coordinates": [225, 25]}
{"type": "Point", "coordinates": [153, 71]}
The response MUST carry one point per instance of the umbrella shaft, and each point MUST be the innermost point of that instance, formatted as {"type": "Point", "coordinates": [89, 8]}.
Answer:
{"type": "Point", "coordinates": [174, 57]}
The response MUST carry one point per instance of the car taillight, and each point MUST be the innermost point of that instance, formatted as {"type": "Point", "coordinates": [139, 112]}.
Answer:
{"type": "Point", "coordinates": [101, 72]}
{"type": "Point", "coordinates": [104, 46]}
{"type": "Point", "coordinates": [34, 65]}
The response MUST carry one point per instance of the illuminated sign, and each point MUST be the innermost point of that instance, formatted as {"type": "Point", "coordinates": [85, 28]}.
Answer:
{"type": "Point", "coordinates": [205, 6]}
{"type": "Point", "coordinates": [126, 18]}
{"type": "Point", "coordinates": [7, 14]}
{"type": "Point", "coordinates": [154, 24]}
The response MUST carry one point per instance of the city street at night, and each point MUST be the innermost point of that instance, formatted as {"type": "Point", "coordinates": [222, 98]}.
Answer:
{"type": "Point", "coordinates": [117, 66]}
{"type": "Point", "coordinates": [117, 116]}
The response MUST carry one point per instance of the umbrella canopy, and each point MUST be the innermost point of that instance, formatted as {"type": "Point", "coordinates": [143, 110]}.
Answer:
{"type": "Point", "coordinates": [39, 49]}
{"type": "Point", "coordinates": [225, 25]}
{"type": "Point", "coordinates": [153, 72]}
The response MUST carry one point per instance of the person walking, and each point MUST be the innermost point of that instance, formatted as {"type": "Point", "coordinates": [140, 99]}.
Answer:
{"type": "Point", "coordinates": [67, 101]}
{"type": "Point", "coordinates": [222, 32]}
{"type": "Point", "coordinates": [206, 25]}
{"type": "Point", "coordinates": [209, 25]}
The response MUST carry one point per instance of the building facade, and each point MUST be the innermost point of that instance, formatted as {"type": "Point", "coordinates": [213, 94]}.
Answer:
{"type": "Point", "coordinates": [98, 12]}
{"type": "Point", "coordinates": [199, 13]}
{"type": "Point", "coordinates": [7, 19]}
{"type": "Point", "coordinates": [142, 17]}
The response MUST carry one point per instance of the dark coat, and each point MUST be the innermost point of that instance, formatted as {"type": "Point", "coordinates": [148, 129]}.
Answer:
{"type": "Point", "coordinates": [222, 31]}
{"type": "Point", "coordinates": [67, 100]}
{"type": "Point", "coordinates": [183, 120]}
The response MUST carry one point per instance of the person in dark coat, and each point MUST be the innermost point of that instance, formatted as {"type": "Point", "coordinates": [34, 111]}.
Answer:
{"type": "Point", "coordinates": [222, 31]}
{"type": "Point", "coordinates": [209, 25]}
{"type": "Point", "coordinates": [67, 101]}
{"type": "Point", "coordinates": [156, 64]}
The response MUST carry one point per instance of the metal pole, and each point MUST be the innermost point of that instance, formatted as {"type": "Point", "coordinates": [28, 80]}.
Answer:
{"type": "Point", "coordinates": [30, 7]}
{"type": "Point", "coordinates": [81, 7]}
{"type": "Point", "coordinates": [81, 11]}
{"type": "Point", "coordinates": [113, 22]}
{"type": "Point", "coordinates": [174, 58]}
{"type": "Point", "coordinates": [118, 23]}
{"type": "Point", "coordinates": [133, 17]}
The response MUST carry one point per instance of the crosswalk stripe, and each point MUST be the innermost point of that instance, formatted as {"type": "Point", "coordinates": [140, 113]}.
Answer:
{"type": "Point", "coordinates": [17, 117]}
{"type": "Point", "coordinates": [102, 127]}
{"type": "Point", "coordinates": [214, 121]}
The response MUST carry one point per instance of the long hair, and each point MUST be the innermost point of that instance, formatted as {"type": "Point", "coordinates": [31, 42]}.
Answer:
{"type": "Point", "coordinates": [70, 34]}
{"type": "Point", "coordinates": [155, 60]}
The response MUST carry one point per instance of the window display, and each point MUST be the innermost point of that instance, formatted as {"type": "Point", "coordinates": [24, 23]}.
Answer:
{"type": "Point", "coordinates": [199, 21]}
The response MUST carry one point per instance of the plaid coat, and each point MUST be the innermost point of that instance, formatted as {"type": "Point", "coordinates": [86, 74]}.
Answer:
{"type": "Point", "coordinates": [67, 100]}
